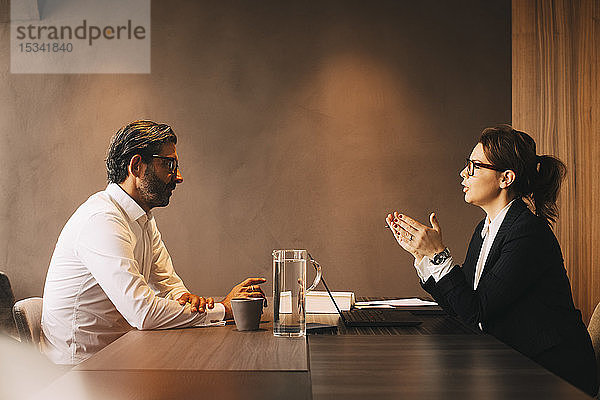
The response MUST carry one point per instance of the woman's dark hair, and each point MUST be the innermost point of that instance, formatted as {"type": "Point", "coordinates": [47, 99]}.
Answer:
{"type": "Point", "coordinates": [538, 178]}
{"type": "Point", "coordinates": [139, 137]}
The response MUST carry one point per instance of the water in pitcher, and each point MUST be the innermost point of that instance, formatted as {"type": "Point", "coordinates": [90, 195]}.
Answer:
{"type": "Point", "coordinates": [289, 313]}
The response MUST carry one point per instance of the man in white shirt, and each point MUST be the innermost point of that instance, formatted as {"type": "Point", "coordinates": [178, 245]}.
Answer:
{"type": "Point", "coordinates": [110, 271]}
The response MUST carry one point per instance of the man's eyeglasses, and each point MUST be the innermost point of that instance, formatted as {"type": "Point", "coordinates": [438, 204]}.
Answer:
{"type": "Point", "coordinates": [473, 165]}
{"type": "Point", "coordinates": [172, 163]}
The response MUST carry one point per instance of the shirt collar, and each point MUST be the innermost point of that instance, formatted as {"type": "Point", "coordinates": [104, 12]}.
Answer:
{"type": "Point", "coordinates": [494, 225]}
{"type": "Point", "coordinates": [133, 210]}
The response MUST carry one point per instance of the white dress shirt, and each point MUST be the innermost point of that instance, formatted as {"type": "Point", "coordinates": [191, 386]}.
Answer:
{"type": "Point", "coordinates": [110, 273]}
{"type": "Point", "coordinates": [488, 233]}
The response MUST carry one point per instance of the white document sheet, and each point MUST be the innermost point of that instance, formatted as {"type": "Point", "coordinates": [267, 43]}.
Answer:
{"type": "Point", "coordinates": [412, 302]}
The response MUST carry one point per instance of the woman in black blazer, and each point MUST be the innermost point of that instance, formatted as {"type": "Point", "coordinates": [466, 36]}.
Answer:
{"type": "Point", "coordinates": [513, 283]}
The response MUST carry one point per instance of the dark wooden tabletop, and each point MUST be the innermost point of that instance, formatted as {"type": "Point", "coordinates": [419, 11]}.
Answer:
{"type": "Point", "coordinates": [427, 367]}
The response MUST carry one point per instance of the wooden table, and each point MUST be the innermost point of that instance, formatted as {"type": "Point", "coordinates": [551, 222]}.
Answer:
{"type": "Point", "coordinates": [178, 384]}
{"type": "Point", "coordinates": [440, 359]}
{"type": "Point", "coordinates": [428, 367]}
{"type": "Point", "coordinates": [204, 363]}
{"type": "Point", "coordinates": [202, 349]}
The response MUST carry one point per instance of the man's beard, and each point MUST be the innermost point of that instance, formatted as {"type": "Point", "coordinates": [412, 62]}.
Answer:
{"type": "Point", "coordinates": [155, 192]}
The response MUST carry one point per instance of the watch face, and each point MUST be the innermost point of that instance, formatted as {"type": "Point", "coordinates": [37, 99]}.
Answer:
{"type": "Point", "coordinates": [441, 257]}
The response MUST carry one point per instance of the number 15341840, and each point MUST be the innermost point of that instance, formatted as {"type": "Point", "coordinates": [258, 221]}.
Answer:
{"type": "Point", "coordinates": [45, 47]}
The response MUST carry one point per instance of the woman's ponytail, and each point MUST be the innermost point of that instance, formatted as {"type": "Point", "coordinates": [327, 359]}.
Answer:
{"type": "Point", "coordinates": [550, 174]}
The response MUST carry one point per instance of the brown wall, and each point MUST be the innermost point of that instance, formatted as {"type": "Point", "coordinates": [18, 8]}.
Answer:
{"type": "Point", "coordinates": [301, 124]}
{"type": "Point", "coordinates": [556, 81]}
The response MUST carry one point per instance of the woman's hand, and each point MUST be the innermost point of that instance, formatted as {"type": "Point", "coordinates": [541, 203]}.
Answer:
{"type": "Point", "coordinates": [416, 238]}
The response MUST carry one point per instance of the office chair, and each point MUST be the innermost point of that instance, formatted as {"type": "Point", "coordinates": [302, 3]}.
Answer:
{"type": "Point", "coordinates": [28, 318]}
{"type": "Point", "coordinates": [7, 300]}
{"type": "Point", "coordinates": [594, 331]}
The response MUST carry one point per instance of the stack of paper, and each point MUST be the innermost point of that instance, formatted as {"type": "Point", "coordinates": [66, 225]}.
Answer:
{"type": "Point", "coordinates": [318, 302]}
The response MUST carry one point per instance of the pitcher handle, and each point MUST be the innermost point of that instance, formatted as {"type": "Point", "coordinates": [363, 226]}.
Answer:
{"type": "Point", "coordinates": [318, 269]}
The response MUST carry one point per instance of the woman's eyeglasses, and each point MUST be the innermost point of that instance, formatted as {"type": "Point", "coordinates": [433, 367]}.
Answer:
{"type": "Point", "coordinates": [473, 165]}
{"type": "Point", "coordinates": [172, 163]}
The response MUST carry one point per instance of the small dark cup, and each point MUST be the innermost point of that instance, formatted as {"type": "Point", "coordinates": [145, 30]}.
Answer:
{"type": "Point", "coordinates": [247, 312]}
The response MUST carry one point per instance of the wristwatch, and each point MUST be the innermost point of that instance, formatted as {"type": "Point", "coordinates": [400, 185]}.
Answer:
{"type": "Point", "coordinates": [440, 257]}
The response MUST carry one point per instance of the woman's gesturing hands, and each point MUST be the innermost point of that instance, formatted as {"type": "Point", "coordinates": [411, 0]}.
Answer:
{"type": "Point", "coordinates": [414, 237]}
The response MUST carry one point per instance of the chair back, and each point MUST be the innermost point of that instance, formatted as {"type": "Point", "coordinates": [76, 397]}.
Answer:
{"type": "Point", "coordinates": [594, 331]}
{"type": "Point", "coordinates": [28, 318]}
{"type": "Point", "coordinates": [7, 300]}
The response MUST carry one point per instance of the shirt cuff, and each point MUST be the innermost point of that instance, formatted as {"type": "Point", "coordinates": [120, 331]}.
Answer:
{"type": "Point", "coordinates": [216, 314]}
{"type": "Point", "coordinates": [422, 268]}
{"type": "Point", "coordinates": [439, 271]}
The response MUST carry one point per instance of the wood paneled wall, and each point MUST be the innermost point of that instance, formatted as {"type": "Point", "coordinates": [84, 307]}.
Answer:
{"type": "Point", "coordinates": [556, 98]}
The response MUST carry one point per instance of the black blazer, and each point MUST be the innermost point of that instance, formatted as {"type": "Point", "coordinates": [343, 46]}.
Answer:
{"type": "Point", "coordinates": [524, 296]}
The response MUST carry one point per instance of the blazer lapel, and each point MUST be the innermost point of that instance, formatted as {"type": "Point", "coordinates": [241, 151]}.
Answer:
{"type": "Point", "coordinates": [513, 212]}
{"type": "Point", "coordinates": [473, 253]}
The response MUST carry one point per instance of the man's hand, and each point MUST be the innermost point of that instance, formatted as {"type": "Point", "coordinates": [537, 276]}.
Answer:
{"type": "Point", "coordinates": [248, 288]}
{"type": "Point", "coordinates": [198, 303]}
